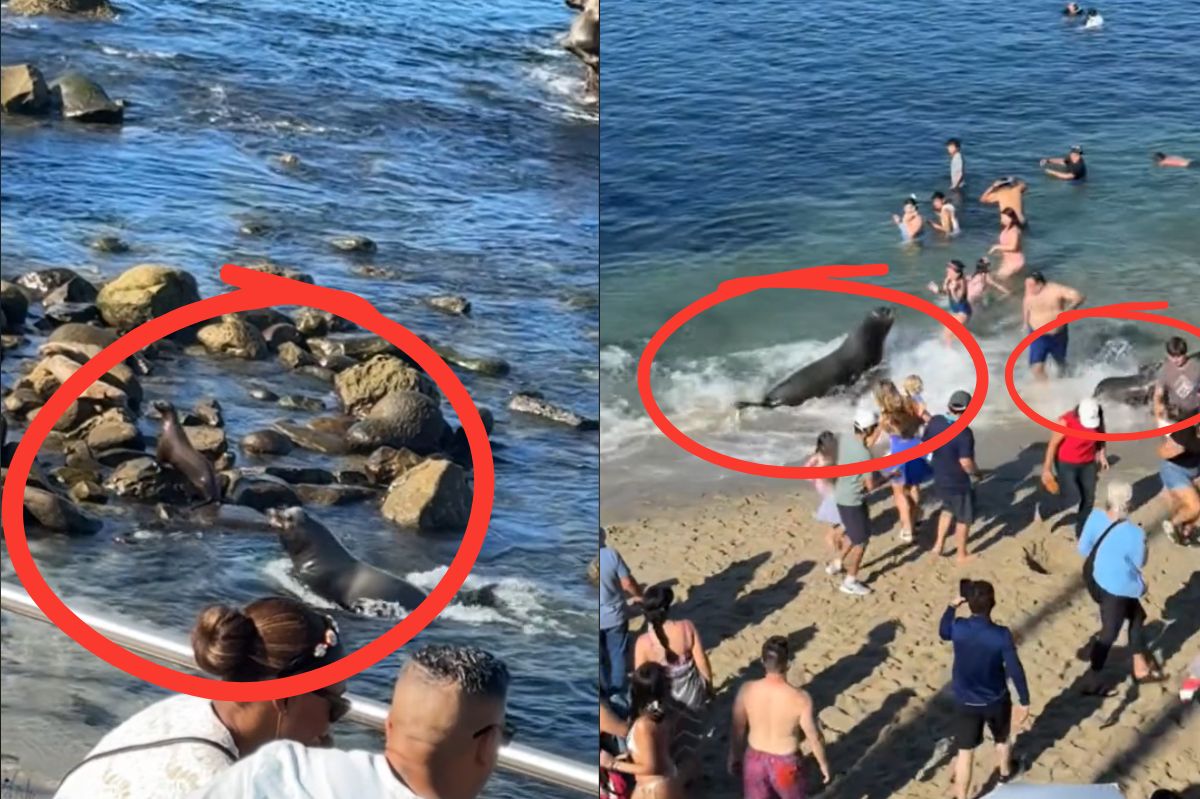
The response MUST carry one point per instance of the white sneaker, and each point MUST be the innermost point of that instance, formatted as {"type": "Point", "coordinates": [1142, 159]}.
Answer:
{"type": "Point", "coordinates": [854, 587]}
{"type": "Point", "coordinates": [905, 536]}
{"type": "Point", "coordinates": [834, 566]}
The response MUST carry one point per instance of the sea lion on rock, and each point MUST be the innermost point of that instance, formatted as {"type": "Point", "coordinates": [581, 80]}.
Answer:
{"type": "Point", "coordinates": [175, 449]}
{"type": "Point", "coordinates": [328, 568]}
{"type": "Point", "coordinates": [860, 352]}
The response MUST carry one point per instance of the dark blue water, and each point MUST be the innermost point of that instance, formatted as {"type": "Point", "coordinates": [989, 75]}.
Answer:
{"type": "Point", "coordinates": [756, 137]}
{"type": "Point", "coordinates": [449, 134]}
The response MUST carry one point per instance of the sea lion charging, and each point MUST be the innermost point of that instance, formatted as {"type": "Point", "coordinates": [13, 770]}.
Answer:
{"type": "Point", "coordinates": [328, 568]}
{"type": "Point", "coordinates": [1135, 389]}
{"type": "Point", "coordinates": [175, 449]}
{"type": "Point", "coordinates": [861, 351]}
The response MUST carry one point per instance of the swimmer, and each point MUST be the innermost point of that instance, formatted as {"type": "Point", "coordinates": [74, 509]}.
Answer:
{"type": "Point", "coordinates": [1094, 20]}
{"type": "Point", "coordinates": [1009, 244]}
{"type": "Point", "coordinates": [913, 388]}
{"type": "Point", "coordinates": [912, 224]}
{"type": "Point", "coordinates": [1162, 159]}
{"type": "Point", "coordinates": [946, 221]}
{"type": "Point", "coordinates": [954, 286]}
{"type": "Point", "coordinates": [958, 174]}
{"type": "Point", "coordinates": [981, 281]}
{"type": "Point", "coordinates": [1044, 301]}
{"type": "Point", "coordinates": [1071, 167]}
{"type": "Point", "coordinates": [1073, 10]}
{"type": "Point", "coordinates": [1008, 193]}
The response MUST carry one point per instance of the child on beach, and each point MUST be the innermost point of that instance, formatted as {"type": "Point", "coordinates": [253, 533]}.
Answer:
{"type": "Point", "coordinates": [826, 455]}
{"type": "Point", "coordinates": [903, 426]}
{"type": "Point", "coordinates": [913, 387]}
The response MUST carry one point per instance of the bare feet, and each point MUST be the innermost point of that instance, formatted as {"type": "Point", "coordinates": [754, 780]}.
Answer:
{"type": "Point", "coordinates": [963, 559]}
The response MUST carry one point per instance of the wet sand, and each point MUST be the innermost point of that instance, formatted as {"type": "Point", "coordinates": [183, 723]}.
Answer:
{"type": "Point", "coordinates": [749, 564]}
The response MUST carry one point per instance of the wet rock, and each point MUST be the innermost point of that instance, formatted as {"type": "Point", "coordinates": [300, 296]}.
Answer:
{"type": "Point", "coordinates": [208, 410]}
{"type": "Point", "coordinates": [334, 495]}
{"type": "Point", "coordinates": [115, 457]}
{"type": "Point", "coordinates": [40, 282]}
{"type": "Point", "coordinates": [300, 474]}
{"type": "Point", "coordinates": [375, 271]}
{"type": "Point", "coordinates": [333, 425]}
{"type": "Point", "coordinates": [313, 440]}
{"type": "Point", "coordinates": [480, 364]}
{"type": "Point", "coordinates": [52, 512]}
{"type": "Point", "coordinates": [460, 447]}
{"type": "Point", "coordinates": [293, 356]}
{"type": "Point", "coordinates": [279, 271]}
{"type": "Point", "coordinates": [82, 100]}
{"type": "Point", "coordinates": [263, 394]}
{"type": "Point", "coordinates": [297, 402]}
{"type": "Point", "coordinates": [387, 463]}
{"type": "Point", "coordinates": [263, 318]}
{"type": "Point", "coordinates": [261, 493]}
{"type": "Point", "coordinates": [113, 435]}
{"type": "Point", "coordinates": [23, 90]}
{"type": "Point", "coordinates": [8, 343]}
{"type": "Point", "coordinates": [224, 461]}
{"type": "Point", "coordinates": [235, 338]}
{"type": "Point", "coordinates": [144, 480]}
{"type": "Point", "coordinates": [50, 373]}
{"type": "Point", "coordinates": [67, 312]}
{"type": "Point", "coordinates": [534, 404]}
{"type": "Point", "coordinates": [91, 335]}
{"type": "Point", "coordinates": [145, 292]}
{"type": "Point", "coordinates": [208, 441]}
{"type": "Point", "coordinates": [96, 9]}
{"type": "Point", "coordinates": [266, 442]}
{"type": "Point", "coordinates": [317, 372]}
{"type": "Point", "coordinates": [121, 376]}
{"type": "Point", "coordinates": [76, 417]}
{"type": "Point", "coordinates": [361, 386]}
{"type": "Point", "coordinates": [282, 333]}
{"type": "Point", "coordinates": [401, 419]}
{"type": "Point", "coordinates": [355, 244]}
{"type": "Point", "coordinates": [15, 305]}
{"type": "Point", "coordinates": [336, 363]}
{"type": "Point", "coordinates": [76, 290]}
{"type": "Point", "coordinates": [357, 347]}
{"type": "Point", "coordinates": [451, 304]}
{"type": "Point", "coordinates": [315, 322]}
{"type": "Point", "coordinates": [351, 477]}
{"type": "Point", "coordinates": [433, 495]}
{"type": "Point", "coordinates": [89, 491]}
{"type": "Point", "coordinates": [112, 245]}
{"type": "Point", "coordinates": [70, 475]}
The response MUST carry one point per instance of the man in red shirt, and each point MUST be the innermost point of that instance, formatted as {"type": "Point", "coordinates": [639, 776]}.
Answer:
{"type": "Point", "coordinates": [1077, 461]}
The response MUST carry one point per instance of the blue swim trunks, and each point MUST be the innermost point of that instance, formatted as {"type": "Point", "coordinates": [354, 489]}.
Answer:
{"type": "Point", "coordinates": [1052, 345]}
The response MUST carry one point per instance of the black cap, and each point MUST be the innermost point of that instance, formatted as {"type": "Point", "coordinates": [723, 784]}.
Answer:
{"type": "Point", "coordinates": [1037, 277]}
{"type": "Point", "coordinates": [959, 400]}
{"type": "Point", "coordinates": [957, 266]}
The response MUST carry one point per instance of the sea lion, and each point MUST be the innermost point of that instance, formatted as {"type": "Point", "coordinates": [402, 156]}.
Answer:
{"type": "Point", "coordinates": [1135, 389]}
{"type": "Point", "coordinates": [175, 449]}
{"type": "Point", "coordinates": [861, 351]}
{"type": "Point", "coordinates": [329, 569]}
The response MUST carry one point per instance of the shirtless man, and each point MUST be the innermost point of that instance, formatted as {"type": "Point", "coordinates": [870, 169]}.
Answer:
{"type": "Point", "coordinates": [1043, 303]}
{"type": "Point", "coordinates": [1007, 193]}
{"type": "Point", "coordinates": [1162, 159]}
{"type": "Point", "coordinates": [763, 744]}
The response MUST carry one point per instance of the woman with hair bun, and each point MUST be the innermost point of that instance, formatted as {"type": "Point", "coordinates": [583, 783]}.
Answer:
{"type": "Point", "coordinates": [179, 744]}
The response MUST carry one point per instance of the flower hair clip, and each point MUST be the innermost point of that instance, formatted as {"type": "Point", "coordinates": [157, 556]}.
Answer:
{"type": "Point", "coordinates": [331, 639]}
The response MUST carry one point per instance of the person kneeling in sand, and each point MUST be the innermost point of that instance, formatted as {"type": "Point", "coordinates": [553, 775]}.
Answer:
{"type": "Point", "coordinates": [764, 746]}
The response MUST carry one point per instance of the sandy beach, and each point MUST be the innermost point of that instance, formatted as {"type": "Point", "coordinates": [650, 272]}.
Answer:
{"type": "Point", "coordinates": [747, 564]}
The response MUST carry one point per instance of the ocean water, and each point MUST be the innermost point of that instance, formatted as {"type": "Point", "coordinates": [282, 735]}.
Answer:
{"type": "Point", "coordinates": [749, 139]}
{"type": "Point", "coordinates": [453, 136]}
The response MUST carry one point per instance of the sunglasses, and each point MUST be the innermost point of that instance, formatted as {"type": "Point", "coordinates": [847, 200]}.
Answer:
{"type": "Point", "coordinates": [339, 705]}
{"type": "Point", "coordinates": [508, 731]}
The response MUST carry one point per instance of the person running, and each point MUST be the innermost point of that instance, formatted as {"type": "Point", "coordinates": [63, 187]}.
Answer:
{"type": "Point", "coordinates": [954, 287]}
{"type": "Point", "coordinates": [1070, 167]}
{"type": "Point", "coordinates": [850, 493]}
{"type": "Point", "coordinates": [1043, 303]}
{"type": "Point", "coordinates": [914, 389]}
{"type": "Point", "coordinates": [958, 171]}
{"type": "Point", "coordinates": [954, 469]}
{"type": "Point", "coordinates": [180, 744]}
{"type": "Point", "coordinates": [445, 727]}
{"type": "Point", "coordinates": [827, 512]}
{"type": "Point", "coordinates": [981, 282]}
{"type": "Point", "coordinates": [1177, 387]}
{"type": "Point", "coordinates": [1180, 474]}
{"type": "Point", "coordinates": [1077, 461]}
{"type": "Point", "coordinates": [900, 423]}
{"type": "Point", "coordinates": [616, 585]}
{"type": "Point", "coordinates": [769, 717]}
{"type": "Point", "coordinates": [946, 220]}
{"type": "Point", "coordinates": [1008, 193]}
{"type": "Point", "coordinates": [1009, 244]}
{"type": "Point", "coordinates": [985, 659]}
{"type": "Point", "coordinates": [1162, 159]}
{"type": "Point", "coordinates": [676, 646]}
{"type": "Point", "coordinates": [648, 746]}
{"type": "Point", "coordinates": [911, 224]}
{"type": "Point", "coordinates": [1116, 571]}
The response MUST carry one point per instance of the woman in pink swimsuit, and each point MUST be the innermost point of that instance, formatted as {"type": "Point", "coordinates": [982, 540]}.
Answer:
{"type": "Point", "coordinates": [1009, 245]}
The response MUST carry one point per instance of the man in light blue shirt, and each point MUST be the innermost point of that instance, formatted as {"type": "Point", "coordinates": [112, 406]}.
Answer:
{"type": "Point", "coordinates": [616, 583]}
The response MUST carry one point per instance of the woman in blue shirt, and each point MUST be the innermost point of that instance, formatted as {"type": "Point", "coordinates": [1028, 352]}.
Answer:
{"type": "Point", "coordinates": [1117, 571]}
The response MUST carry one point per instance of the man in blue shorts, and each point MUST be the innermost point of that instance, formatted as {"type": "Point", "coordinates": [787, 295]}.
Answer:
{"type": "Point", "coordinates": [1043, 303]}
{"type": "Point", "coordinates": [953, 470]}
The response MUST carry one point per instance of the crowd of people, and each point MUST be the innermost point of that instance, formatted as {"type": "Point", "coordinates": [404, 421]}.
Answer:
{"type": "Point", "coordinates": [445, 725]}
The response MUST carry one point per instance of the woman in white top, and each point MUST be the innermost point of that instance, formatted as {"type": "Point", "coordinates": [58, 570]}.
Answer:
{"type": "Point", "coordinates": [179, 744]}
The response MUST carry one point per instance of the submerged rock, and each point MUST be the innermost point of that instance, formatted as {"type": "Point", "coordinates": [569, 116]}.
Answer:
{"type": "Point", "coordinates": [434, 495]}
{"type": "Point", "coordinates": [97, 9]}
{"type": "Point", "coordinates": [334, 495]}
{"type": "Point", "coordinates": [279, 271]}
{"type": "Point", "coordinates": [358, 244]}
{"type": "Point", "coordinates": [451, 304]}
{"type": "Point", "coordinates": [23, 90]}
{"type": "Point", "coordinates": [109, 244]}
{"type": "Point", "coordinates": [314, 440]}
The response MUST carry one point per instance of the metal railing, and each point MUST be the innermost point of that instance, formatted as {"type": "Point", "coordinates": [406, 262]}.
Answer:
{"type": "Point", "coordinates": [525, 760]}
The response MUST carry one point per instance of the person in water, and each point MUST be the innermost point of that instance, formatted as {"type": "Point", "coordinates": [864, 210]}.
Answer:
{"type": "Point", "coordinates": [1010, 244]}
{"type": "Point", "coordinates": [1070, 167]}
{"type": "Point", "coordinates": [1162, 159]}
{"type": "Point", "coordinates": [980, 283]}
{"type": "Point", "coordinates": [946, 219]}
{"type": "Point", "coordinates": [180, 744]}
{"type": "Point", "coordinates": [898, 419]}
{"type": "Point", "coordinates": [827, 512]}
{"type": "Point", "coordinates": [1043, 303]}
{"type": "Point", "coordinates": [648, 746]}
{"type": "Point", "coordinates": [1073, 10]}
{"type": "Point", "coordinates": [958, 173]}
{"type": "Point", "coordinates": [954, 287]}
{"type": "Point", "coordinates": [1093, 19]}
{"type": "Point", "coordinates": [911, 224]}
{"type": "Point", "coordinates": [1008, 193]}
{"type": "Point", "coordinates": [771, 718]}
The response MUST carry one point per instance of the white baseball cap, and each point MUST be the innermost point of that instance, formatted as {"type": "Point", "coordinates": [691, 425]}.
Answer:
{"type": "Point", "coordinates": [865, 419]}
{"type": "Point", "coordinates": [1089, 413]}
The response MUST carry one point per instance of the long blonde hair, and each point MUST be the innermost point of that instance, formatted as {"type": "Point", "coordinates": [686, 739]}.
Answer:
{"type": "Point", "coordinates": [896, 411]}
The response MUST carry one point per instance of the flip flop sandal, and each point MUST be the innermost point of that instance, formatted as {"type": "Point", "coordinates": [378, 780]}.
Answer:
{"type": "Point", "coordinates": [1151, 678]}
